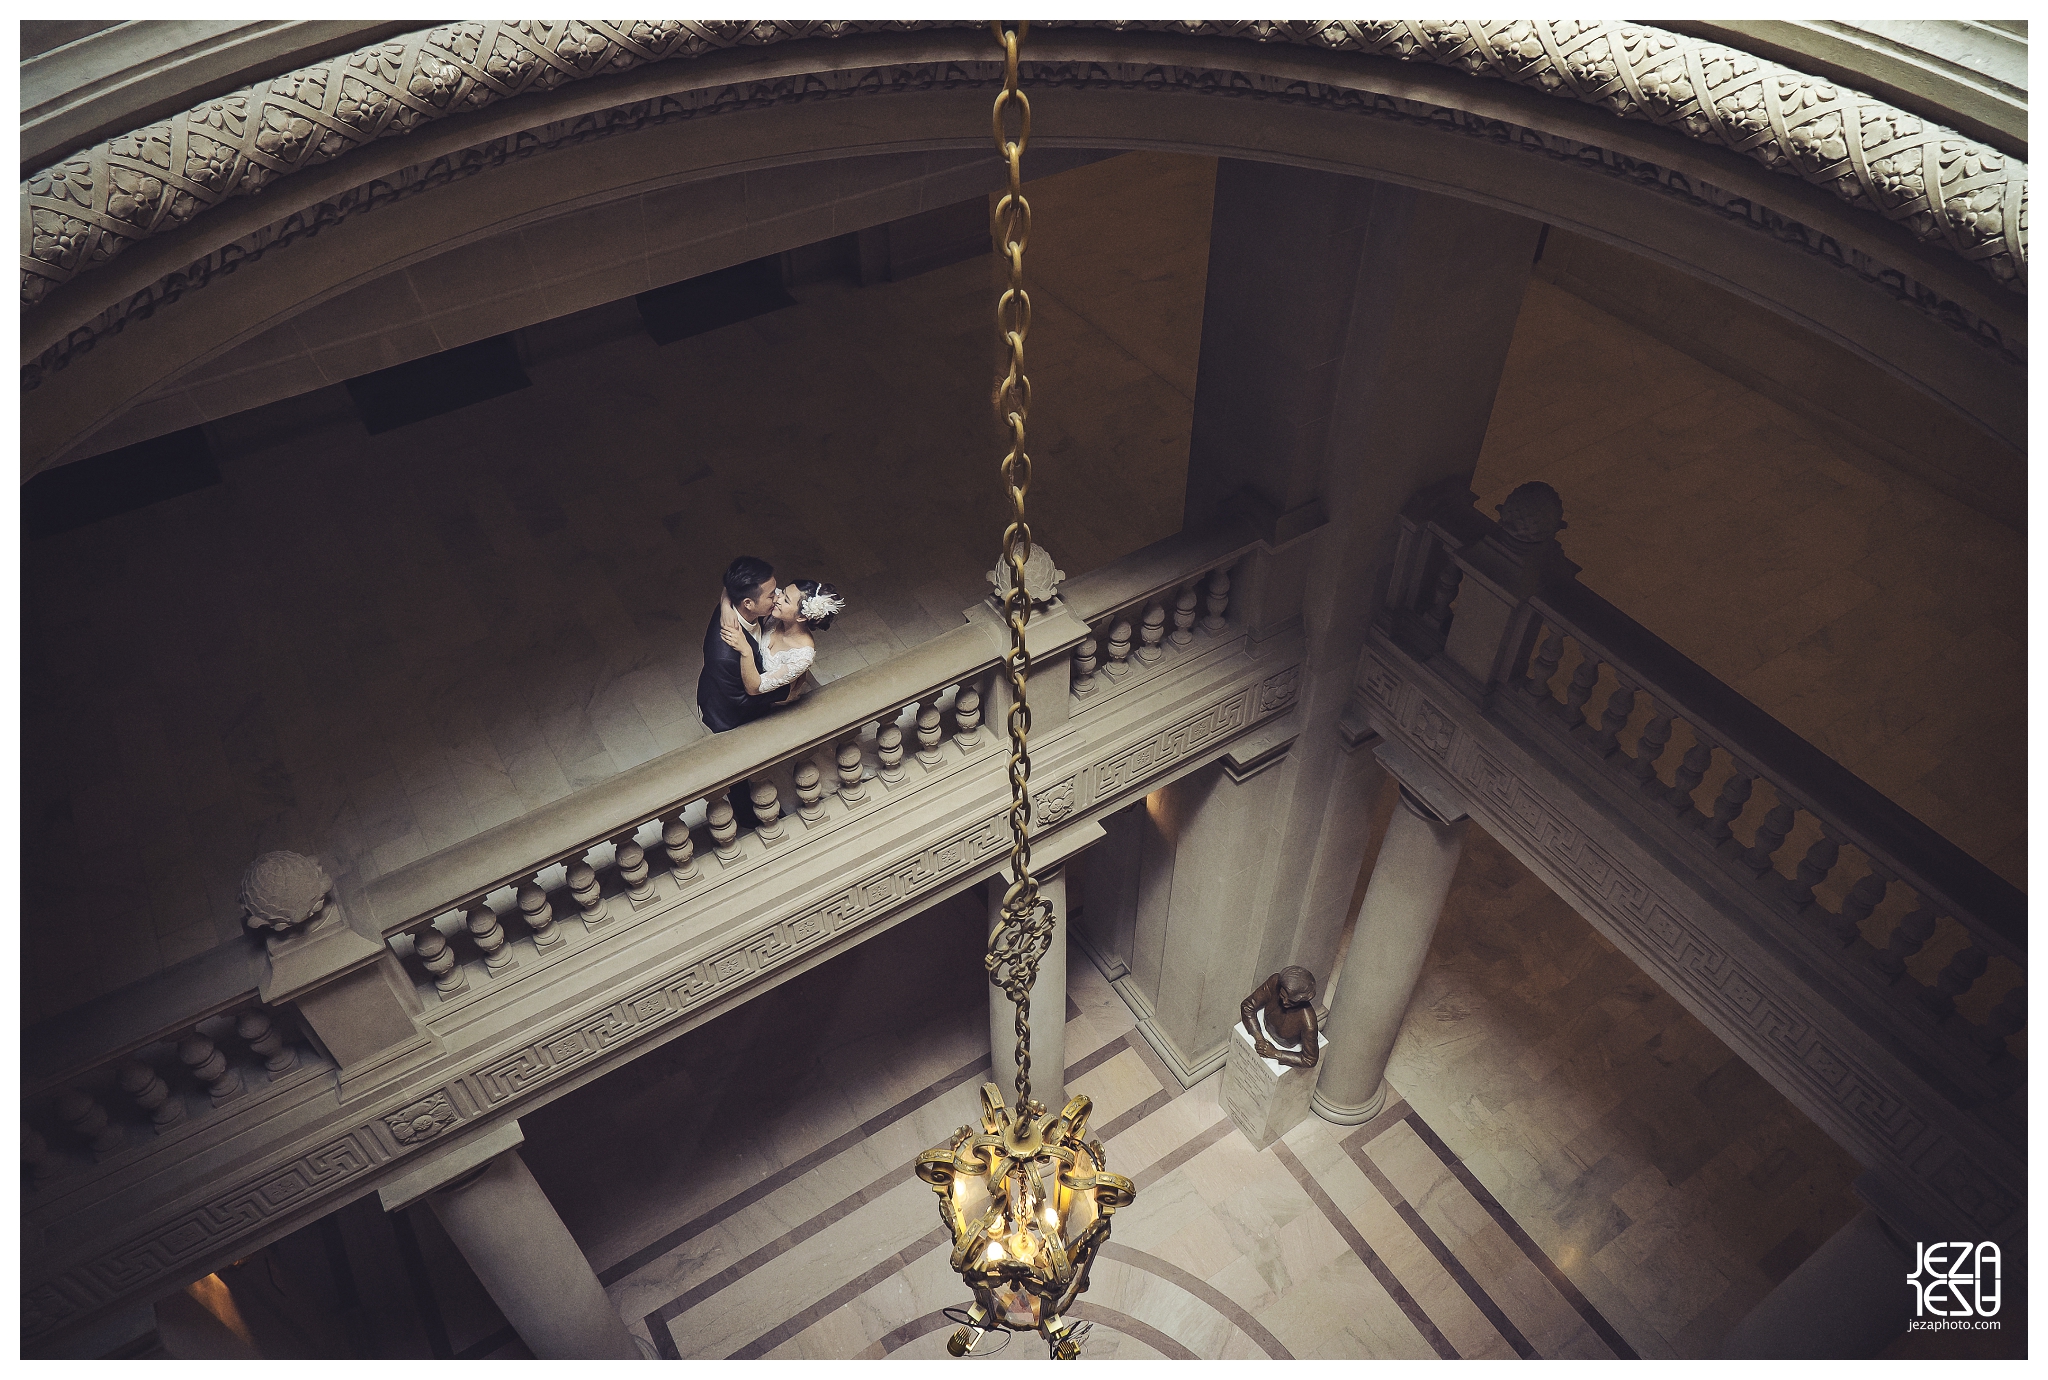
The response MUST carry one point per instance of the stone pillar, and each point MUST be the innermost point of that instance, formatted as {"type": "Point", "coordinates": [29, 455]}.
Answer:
{"type": "Point", "coordinates": [1846, 1301]}
{"type": "Point", "coordinates": [508, 1231]}
{"type": "Point", "coordinates": [1048, 1002]}
{"type": "Point", "coordinates": [1403, 901]}
{"type": "Point", "coordinates": [1353, 334]}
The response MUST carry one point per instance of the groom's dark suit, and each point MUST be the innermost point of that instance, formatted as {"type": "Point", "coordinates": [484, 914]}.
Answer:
{"type": "Point", "coordinates": [721, 694]}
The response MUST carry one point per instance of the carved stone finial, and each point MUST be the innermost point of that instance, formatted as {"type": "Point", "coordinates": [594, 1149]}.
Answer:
{"type": "Point", "coordinates": [1533, 514]}
{"type": "Point", "coordinates": [1041, 578]}
{"type": "Point", "coordinates": [283, 890]}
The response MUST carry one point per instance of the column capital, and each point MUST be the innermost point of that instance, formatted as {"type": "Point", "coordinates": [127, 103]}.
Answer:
{"type": "Point", "coordinates": [1424, 789]}
{"type": "Point", "coordinates": [443, 1166]}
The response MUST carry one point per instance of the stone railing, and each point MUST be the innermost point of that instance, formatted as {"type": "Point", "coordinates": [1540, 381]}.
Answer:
{"type": "Point", "coordinates": [1896, 929]}
{"type": "Point", "coordinates": [178, 1124]}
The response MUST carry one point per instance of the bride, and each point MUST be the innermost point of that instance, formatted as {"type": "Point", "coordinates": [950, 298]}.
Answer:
{"type": "Point", "coordinates": [801, 608]}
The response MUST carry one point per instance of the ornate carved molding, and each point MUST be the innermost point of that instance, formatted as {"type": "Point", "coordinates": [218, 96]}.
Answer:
{"type": "Point", "coordinates": [1891, 1119]}
{"type": "Point", "coordinates": [1939, 185]}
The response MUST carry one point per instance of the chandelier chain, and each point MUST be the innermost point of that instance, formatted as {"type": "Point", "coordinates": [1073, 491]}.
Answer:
{"type": "Point", "coordinates": [1023, 934]}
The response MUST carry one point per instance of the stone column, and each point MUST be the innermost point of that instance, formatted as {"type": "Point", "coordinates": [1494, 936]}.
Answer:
{"type": "Point", "coordinates": [510, 1234]}
{"type": "Point", "coordinates": [1396, 920]}
{"type": "Point", "coordinates": [1353, 334]}
{"type": "Point", "coordinates": [1048, 1002]}
{"type": "Point", "coordinates": [1848, 1300]}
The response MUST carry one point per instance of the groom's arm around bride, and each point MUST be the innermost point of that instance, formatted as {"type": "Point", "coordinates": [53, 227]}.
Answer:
{"type": "Point", "coordinates": [721, 692]}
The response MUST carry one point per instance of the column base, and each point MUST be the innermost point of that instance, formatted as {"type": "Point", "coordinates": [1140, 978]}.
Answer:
{"type": "Point", "coordinates": [1342, 1115]}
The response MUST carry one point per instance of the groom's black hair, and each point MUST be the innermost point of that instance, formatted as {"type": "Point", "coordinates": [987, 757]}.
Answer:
{"type": "Point", "coordinates": [744, 576]}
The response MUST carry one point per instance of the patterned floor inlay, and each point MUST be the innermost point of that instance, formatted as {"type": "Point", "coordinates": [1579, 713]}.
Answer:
{"type": "Point", "coordinates": [1334, 1242]}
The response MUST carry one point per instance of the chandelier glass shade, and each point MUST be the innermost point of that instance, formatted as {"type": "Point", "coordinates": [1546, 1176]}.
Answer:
{"type": "Point", "coordinates": [1028, 1201]}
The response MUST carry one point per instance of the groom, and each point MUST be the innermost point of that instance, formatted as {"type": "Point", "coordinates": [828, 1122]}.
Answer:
{"type": "Point", "coordinates": [721, 694]}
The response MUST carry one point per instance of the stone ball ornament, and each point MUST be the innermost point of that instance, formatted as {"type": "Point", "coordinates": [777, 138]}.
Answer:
{"type": "Point", "coordinates": [1533, 513]}
{"type": "Point", "coordinates": [281, 891]}
{"type": "Point", "coordinates": [1041, 577]}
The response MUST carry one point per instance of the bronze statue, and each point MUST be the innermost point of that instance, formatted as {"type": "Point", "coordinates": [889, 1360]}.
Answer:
{"type": "Point", "coordinates": [1287, 1002]}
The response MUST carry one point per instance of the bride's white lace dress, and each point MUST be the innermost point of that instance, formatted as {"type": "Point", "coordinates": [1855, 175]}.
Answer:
{"type": "Point", "coordinates": [780, 668]}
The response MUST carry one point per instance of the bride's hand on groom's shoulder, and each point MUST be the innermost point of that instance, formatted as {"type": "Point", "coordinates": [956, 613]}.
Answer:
{"type": "Point", "coordinates": [729, 631]}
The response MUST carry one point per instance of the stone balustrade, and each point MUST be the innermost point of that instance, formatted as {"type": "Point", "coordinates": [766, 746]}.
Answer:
{"type": "Point", "coordinates": [1127, 642]}
{"type": "Point", "coordinates": [180, 1081]}
{"type": "Point", "coordinates": [728, 826]}
{"type": "Point", "coordinates": [191, 1117]}
{"type": "Point", "coordinates": [1799, 911]}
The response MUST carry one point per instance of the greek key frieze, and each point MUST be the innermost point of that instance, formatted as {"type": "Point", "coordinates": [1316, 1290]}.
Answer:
{"type": "Point", "coordinates": [232, 1214]}
{"type": "Point", "coordinates": [1382, 686]}
{"type": "Point", "coordinates": [1162, 749]}
{"type": "Point", "coordinates": [766, 948]}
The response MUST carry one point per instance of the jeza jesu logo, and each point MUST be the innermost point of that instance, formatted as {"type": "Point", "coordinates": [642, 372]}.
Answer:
{"type": "Point", "coordinates": [1956, 1279]}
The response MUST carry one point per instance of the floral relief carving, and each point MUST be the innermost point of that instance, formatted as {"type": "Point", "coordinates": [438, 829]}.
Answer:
{"type": "Point", "coordinates": [423, 1120]}
{"type": "Point", "coordinates": [1795, 124]}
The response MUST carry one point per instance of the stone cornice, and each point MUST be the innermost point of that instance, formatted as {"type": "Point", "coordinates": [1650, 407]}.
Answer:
{"type": "Point", "coordinates": [1939, 186]}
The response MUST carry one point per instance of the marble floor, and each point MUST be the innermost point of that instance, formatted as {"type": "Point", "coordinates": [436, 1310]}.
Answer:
{"type": "Point", "coordinates": [373, 647]}
{"type": "Point", "coordinates": [1574, 1167]}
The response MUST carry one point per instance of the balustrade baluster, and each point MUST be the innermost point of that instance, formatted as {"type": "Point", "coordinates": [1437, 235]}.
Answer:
{"type": "Point", "coordinates": [1770, 836]}
{"type": "Point", "coordinates": [43, 1163]}
{"type": "Point", "coordinates": [1446, 592]}
{"type": "Point", "coordinates": [1184, 605]}
{"type": "Point", "coordinates": [1119, 663]}
{"type": "Point", "coordinates": [1573, 707]}
{"type": "Point", "coordinates": [588, 894]}
{"type": "Point", "coordinates": [1543, 666]}
{"type": "Point", "coordinates": [851, 791]}
{"type": "Point", "coordinates": [810, 791]}
{"type": "Point", "coordinates": [1908, 937]}
{"type": "Point", "coordinates": [2004, 1020]}
{"type": "Point", "coordinates": [1692, 769]}
{"type": "Point", "coordinates": [266, 1040]}
{"type": "Point", "coordinates": [1218, 601]}
{"type": "Point", "coordinates": [1649, 747]}
{"type": "Point", "coordinates": [211, 1067]}
{"type": "Point", "coordinates": [149, 1091]}
{"type": "Point", "coordinates": [680, 847]}
{"type": "Point", "coordinates": [889, 752]}
{"type": "Point", "coordinates": [1729, 803]}
{"type": "Point", "coordinates": [89, 1120]}
{"type": "Point", "coordinates": [1620, 705]}
{"type": "Point", "coordinates": [633, 871]}
{"type": "Point", "coordinates": [1084, 667]}
{"type": "Point", "coordinates": [490, 937]}
{"type": "Point", "coordinates": [1813, 869]}
{"type": "Point", "coordinates": [725, 830]}
{"type": "Point", "coordinates": [539, 915]}
{"type": "Point", "coordinates": [437, 956]}
{"type": "Point", "coordinates": [1149, 635]}
{"type": "Point", "coordinates": [928, 731]}
{"type": "Point", "coordinates": [1957, 978]}
{"type": "Point", "coordinates": [967, 718]}
{"type": "Point", "coordinates": [767, 811]}
{"type": "Point", "coordinates": [1863, 898]}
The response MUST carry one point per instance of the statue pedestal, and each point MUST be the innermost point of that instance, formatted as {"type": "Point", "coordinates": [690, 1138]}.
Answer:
{"type": "Point", "coordinates": [1265, 1098]}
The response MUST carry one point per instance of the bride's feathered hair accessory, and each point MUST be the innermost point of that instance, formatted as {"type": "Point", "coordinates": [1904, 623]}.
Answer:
{"type": "Point", "coordinates": [819, 604]}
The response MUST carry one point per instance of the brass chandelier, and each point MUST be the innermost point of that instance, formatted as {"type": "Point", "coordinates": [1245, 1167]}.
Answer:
{"type": "Point", "coordinates": [1027, 1196]}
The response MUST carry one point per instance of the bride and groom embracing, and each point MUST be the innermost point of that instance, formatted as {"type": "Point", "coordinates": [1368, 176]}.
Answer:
{"type": "Point", "coordinates": [760, 645]}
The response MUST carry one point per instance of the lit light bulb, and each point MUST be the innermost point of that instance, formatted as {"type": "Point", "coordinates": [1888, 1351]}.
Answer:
{"type": "Point", "coordinates": [995, 1250]}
